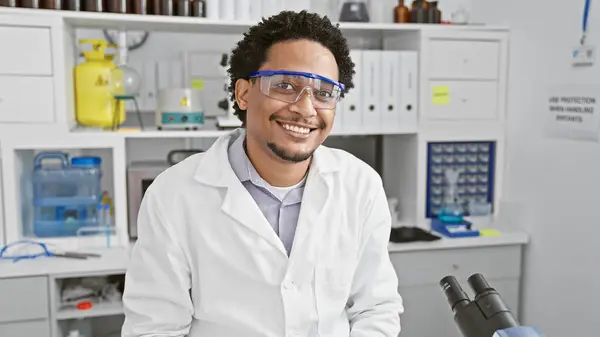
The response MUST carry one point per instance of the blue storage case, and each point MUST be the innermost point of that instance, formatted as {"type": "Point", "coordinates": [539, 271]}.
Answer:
{"type": "Point", "coordinates": [476, 183]}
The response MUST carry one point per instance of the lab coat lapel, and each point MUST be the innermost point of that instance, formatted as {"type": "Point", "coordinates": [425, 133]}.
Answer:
{"type": "Point", "coordinates": [215, 170]}
{"type": "Point", "coordinates": [316, 203]}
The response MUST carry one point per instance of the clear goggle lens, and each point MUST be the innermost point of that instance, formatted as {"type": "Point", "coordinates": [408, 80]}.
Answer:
{"type": "Point", "coordinates": [290, 88]}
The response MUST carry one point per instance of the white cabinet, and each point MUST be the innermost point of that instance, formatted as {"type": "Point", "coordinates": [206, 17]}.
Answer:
{"type": "Point", "coordinates": [463, 79]}
{"type": "Point", "coordinates": [27, 71]}
{"type": "Point", "coordinates": [467, 100]}
{"type": "Point", "coordinates": [16, 307]}
{"type": "Point", "coordinates": [37, 328]}
{"type": "Point", "coordinates": [25, 50]}
{"type": "Point", "coordinates": [463, 59]}
{"type": "Point", "coordinates": [24, 309]}
{"type": "Point", "coordinates": [26, 99]}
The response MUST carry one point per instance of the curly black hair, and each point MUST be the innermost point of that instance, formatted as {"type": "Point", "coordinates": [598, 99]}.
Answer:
{"type": "Point", "coordinates": [251, 52]}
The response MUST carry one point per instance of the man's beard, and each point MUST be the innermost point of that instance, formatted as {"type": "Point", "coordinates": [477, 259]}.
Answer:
{"type": "Point", "coordinates": [291, 157]}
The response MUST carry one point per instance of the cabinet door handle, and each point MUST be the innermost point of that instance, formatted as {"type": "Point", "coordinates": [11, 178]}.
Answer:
{"type": "Point", "coordinates": [455, 266]}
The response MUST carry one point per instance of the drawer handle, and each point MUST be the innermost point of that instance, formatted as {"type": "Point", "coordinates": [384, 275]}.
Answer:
{"type": "Point", "coordinates": [464, 100]}
{"type": "Point", "coordinates": [465, 60]}
{"type": "Point", "coordinates": [455, 266]}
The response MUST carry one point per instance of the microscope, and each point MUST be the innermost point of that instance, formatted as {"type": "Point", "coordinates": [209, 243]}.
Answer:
{"type": "Point", "coordinates": [486, 315]}
{"type": "Point", "coordinates": [230, 120]}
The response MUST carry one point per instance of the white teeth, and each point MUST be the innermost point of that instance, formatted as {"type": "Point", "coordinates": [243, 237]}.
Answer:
{"type": "Point", "coordinates": [296, 129]}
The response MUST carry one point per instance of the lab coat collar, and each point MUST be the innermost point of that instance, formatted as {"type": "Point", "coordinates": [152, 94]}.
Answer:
{"type": "Point", "coordinates": [214, 170]}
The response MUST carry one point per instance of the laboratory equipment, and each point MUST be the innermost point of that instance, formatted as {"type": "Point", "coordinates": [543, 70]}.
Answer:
{"type": "Point", "coordinates": [124, 85]}
{"type": "Point", "coordinates": [487, 315]}
{"type": "Point", "coordinates": [355, 11]}
{"type": "Point", "coordinates": [94, 102]}
{"type": "Point", "coordinates": [419, 11]}
{"type": "Point", "coordinates": [81, 327]}
{"type": "Point", "coordinates": [140, 175]}
{"type": "Point", "coordinates": [65, 195]}
{"type": "Point", "coordinates": [401, 13]}
{"type": "Point", "coordinates": [411, 234]}
{"type": "Point", "coordinates": [450, 220]}
{"type": "Point", "coordinates": [124, 82]}
{"type": "Point", "coordinates": [476, 161]}
{"type": "Point", "coordinates": [434, 15]}
{"type": "Point", "coordinates": [230, 120]}
{"type": "Point", "coordinates": [179, 108]}
{"type": "Point", "coordinates": [28, 249]}
{"type": "Point", "coordinates": [460, 16]}
{"type": "Point", "coordinates": [451, 211]}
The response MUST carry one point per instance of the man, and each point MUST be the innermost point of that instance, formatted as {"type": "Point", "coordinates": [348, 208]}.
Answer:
{"type": "Point", "coordinates": [269, 233]}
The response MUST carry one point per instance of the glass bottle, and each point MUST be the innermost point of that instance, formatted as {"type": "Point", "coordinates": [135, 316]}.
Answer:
{"type": "Point", "coordinates": [401, 13]}
{"type": "Point", "coordinates": [434, 15]}
{"type": "Point", "coordinates": [418, 11]}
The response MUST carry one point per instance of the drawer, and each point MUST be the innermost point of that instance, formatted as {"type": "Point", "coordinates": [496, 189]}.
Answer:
{"type": "Point", "coordinates": [25, 51]}
{"type": "Point", "coordinates": [23, 299]}
{"type": "Point", "coordinates": [418, 268]}
{"type": "Point", "coordinates": [454, 59]}
{"type": "Point", "coordinates": [466, 100]}
{"type": "Point", "coordinates": [25, 329]}
{"type": "Point", "coordinates": [26, 99]}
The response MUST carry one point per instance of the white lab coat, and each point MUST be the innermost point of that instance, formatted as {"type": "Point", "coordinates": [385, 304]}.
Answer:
{"type": "Point", "coordinates": [208, 264]}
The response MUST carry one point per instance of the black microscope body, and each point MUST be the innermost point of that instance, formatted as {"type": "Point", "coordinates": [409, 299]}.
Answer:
{"type": "Point", "coordinates": [486, 315]}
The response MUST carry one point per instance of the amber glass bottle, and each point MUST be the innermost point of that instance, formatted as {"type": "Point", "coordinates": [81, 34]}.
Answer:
{"type": "Point", "coordinates": [401, 13]}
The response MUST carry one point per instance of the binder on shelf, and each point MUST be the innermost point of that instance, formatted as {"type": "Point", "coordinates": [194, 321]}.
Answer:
{"type": "Point", "coordinates": [352, 121]}
{"type": "Point", "coordinates": [370, 107]}
{"type": "Point", "coordinates": [409, 67]}
{"type": "Point", "coordinates": [391, 92]}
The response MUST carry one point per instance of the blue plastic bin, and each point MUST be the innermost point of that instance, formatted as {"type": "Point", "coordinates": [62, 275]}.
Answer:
{"type": "Point", "coordinates": [65, 196]}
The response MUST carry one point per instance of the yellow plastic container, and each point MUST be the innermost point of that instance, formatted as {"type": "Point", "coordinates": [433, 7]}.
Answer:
{"type": "Point", "coordinates": [95, 104]}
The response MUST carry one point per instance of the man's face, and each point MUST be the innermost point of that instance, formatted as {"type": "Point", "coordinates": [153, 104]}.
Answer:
{"type": "Point", "coordinates": [271, 122]}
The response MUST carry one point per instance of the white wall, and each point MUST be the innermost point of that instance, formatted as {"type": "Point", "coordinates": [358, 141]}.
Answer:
{"type": "Point", "coordinates": [553, 183]}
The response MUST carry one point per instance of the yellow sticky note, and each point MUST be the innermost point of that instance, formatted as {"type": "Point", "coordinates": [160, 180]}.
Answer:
{"type": "Point", "coordinates": [489, 232]}
{"type": "Point", "coordinates": [441, 95]}
{"type": "Point", "coordinates": [197, 84]}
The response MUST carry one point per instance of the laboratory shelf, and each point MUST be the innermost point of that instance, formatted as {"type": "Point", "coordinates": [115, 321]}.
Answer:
{"type": "Point", "coordinates": [209, 26]}
{"type": "Point", "coordinates": [98, 310]}
{"type": "Point", "coordinates": [127, 133]}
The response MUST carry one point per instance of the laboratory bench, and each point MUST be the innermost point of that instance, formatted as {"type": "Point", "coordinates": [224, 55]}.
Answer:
{"type": "Point", "coordinates": [35, 284]}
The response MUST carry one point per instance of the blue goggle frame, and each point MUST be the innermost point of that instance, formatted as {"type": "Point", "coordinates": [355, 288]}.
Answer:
{"type": "Point", "coordinates": [296, 73]}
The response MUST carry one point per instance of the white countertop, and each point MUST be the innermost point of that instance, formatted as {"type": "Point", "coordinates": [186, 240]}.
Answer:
{"type": "Point", "coordinates": [515, 238]}
{"type": "Point", "coordinates": [114, 261]}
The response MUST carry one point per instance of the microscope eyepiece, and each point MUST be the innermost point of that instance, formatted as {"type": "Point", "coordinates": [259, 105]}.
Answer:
{"type": "Point", "coordinates": [454, 292]}
{"type": "Point", "coordinates": [479, 284]}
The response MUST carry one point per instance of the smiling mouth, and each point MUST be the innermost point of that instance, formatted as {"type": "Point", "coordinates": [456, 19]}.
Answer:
{"type": "Point", "coordinates": [300, 130]}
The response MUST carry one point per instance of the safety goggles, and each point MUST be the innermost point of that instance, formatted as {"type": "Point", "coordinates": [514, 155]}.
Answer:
{"type": "Point", "coordinates": [290, 86]}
